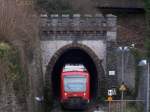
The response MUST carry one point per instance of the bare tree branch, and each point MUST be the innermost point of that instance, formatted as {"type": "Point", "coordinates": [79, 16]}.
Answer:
{"type": "Point", "coordinates": [17, 22]}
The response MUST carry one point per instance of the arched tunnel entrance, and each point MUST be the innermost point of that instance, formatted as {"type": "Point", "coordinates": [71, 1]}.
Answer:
{"type": "Point", "coordinates": [75, 54]}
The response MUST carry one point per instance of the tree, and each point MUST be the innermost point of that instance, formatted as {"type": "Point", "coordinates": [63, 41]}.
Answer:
{"type": "Point", "coordinates": [19, 26]}
{"type": "Point", "coordinates": [55, 6]}
{"type": "Point", "coordinates": [147, 42]}
{"type": "Point", "coordinates": [17, 22]}
{"type": "Point", "coordinates": [67, 6]}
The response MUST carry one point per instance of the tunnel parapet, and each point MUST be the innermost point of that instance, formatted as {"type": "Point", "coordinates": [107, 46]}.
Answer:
{"type": "Point", "coordinates": [95, 25]}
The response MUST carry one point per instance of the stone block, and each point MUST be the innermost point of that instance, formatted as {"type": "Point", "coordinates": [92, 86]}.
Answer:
{"type": "Point", "coordinates": [111, 36]}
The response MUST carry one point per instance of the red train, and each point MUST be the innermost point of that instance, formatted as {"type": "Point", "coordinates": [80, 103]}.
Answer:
{"type": "Point", "coordinates": [75, 87]}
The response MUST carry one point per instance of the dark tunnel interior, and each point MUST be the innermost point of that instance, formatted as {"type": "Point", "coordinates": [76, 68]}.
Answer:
{"type": "Point", "coordinates": [74, 56]}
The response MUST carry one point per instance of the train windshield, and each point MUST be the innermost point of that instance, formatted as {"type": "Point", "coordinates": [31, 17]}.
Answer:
{"type": "Point", "coordinates": [75, 83]}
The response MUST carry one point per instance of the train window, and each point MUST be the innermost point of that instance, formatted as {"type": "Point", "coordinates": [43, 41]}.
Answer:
{"type": "Point", "coordinates": [75, 83]}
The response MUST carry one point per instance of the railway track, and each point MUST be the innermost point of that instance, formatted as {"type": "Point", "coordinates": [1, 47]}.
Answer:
{"type": "Point", "coordinates": [89, 109]}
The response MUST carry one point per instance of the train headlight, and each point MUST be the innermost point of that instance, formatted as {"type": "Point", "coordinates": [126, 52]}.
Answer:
{"type": "Point", "coordinates": [65, 94]}
{"type": "Point", "coordinates": [84, 94]}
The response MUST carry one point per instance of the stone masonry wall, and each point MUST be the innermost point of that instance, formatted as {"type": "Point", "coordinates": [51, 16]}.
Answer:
{"type": "Point", "coordinates": [131, 28]}
{"type": "Point", "coordinates": [94, 33]}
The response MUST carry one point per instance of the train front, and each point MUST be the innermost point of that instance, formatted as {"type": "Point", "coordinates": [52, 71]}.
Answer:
{"type": "Point", "coordinates": [75, 87]}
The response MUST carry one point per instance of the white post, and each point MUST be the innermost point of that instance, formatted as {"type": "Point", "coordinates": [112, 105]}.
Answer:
{"type": "Point", "coordinates": [122, 101]}
{"type": "Point", "coordinates": [122, 49]}
{"type": "Point", "coordinates": [148, 88]}
{"type": "Point", "coordinates": [122, 79]}
{"type": "Point", "coordinates": [109, 106]}
{"type": "Point", "coordinates": [122, 72]}
{"type": "Point", "coordinates": [147, 63]}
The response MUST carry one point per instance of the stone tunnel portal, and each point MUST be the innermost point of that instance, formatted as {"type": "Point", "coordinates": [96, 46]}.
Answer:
{"type": "Point", "coordinates": [76, 54]}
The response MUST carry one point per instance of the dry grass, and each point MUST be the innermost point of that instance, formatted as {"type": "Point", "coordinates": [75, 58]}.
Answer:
{"type": "Point", "coordinates": [17, 22]}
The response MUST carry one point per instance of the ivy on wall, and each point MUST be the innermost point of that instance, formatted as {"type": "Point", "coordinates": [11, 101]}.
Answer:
{"type": "Point", "coordinates": [11, 71]}
{"type": "Point", "coordinates": [147, 42]}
